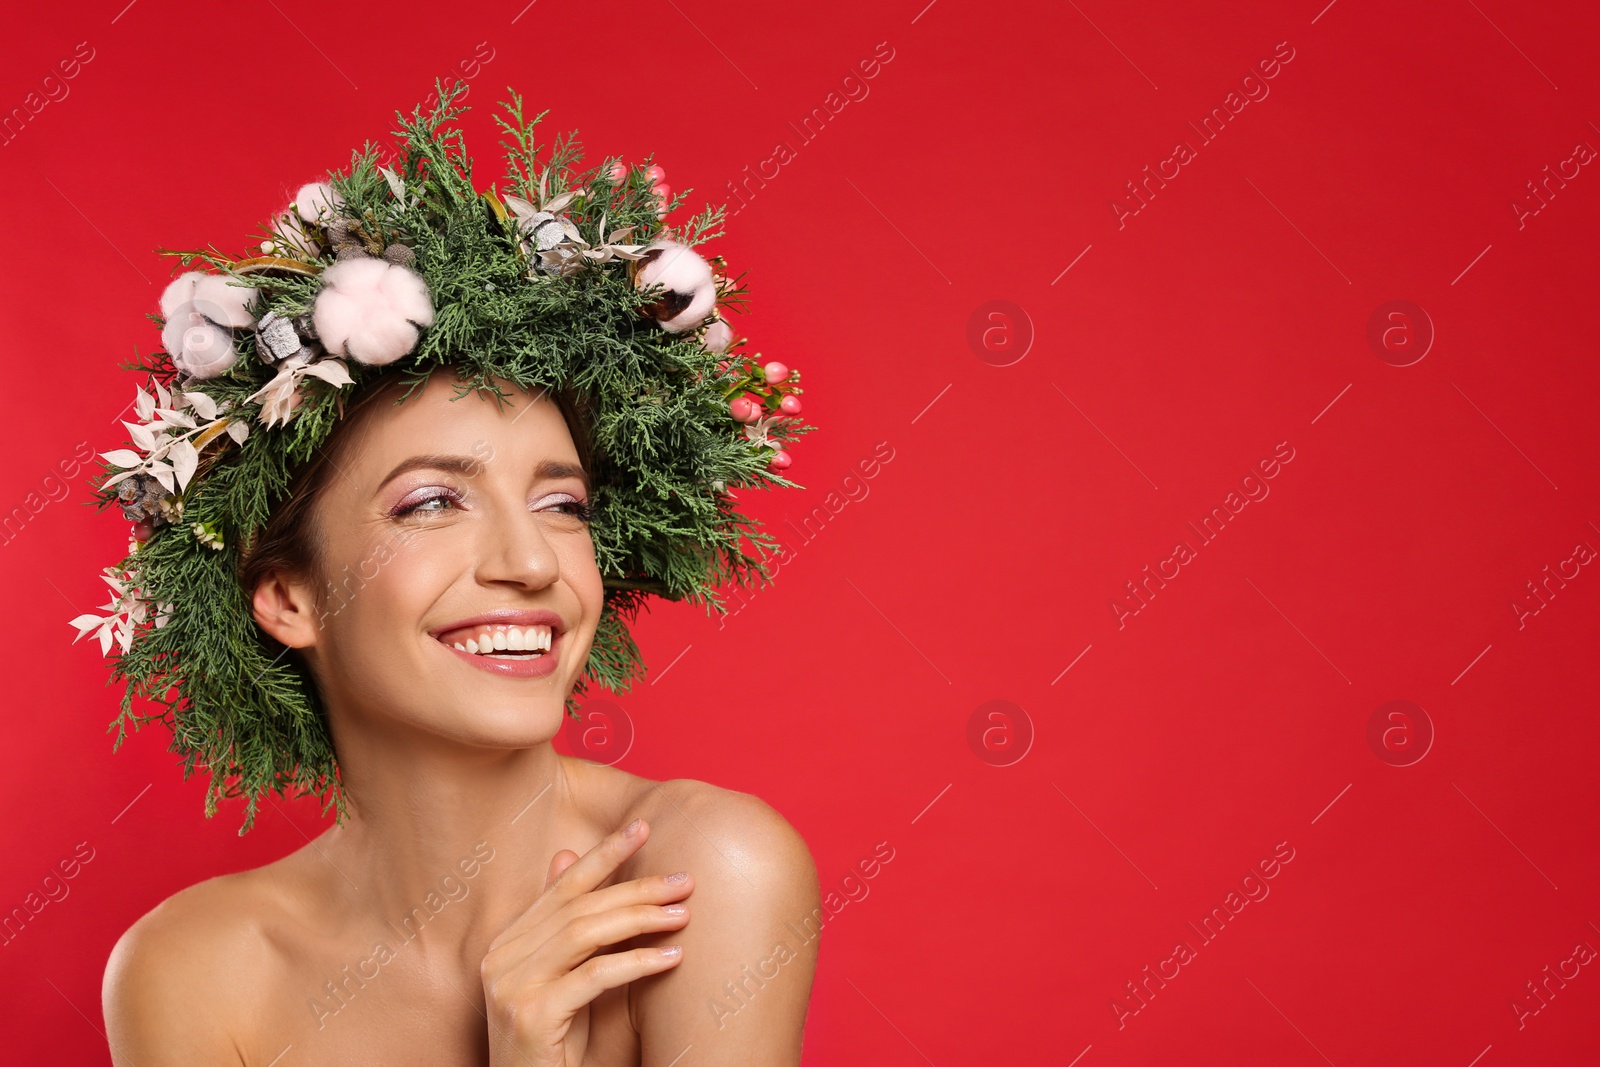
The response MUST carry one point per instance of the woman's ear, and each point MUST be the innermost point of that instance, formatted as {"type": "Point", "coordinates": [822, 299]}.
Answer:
{"type": "Point", "coordinates": [286, 610]}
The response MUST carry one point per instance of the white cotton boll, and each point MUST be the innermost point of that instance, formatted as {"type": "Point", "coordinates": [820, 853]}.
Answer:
{"type": "Point", "coordinates": [691, 287]}
{"type": "Point", "coordinates": [198, 308]}
{"type": "Point", "coordinates": [718, 336]}
{"type": "Point", "coordinates": [371, 310]}
{"type": "Point", "coordinates": [408, 295]}
{"type": "Point", "coordinates": [292, 235]}
{"type": "Point", "coordinates": [212, 296]}
{"type": "Point", "coordinates": [199, 348]}
{"type": "Point", "coordinates": [316, 200]}
{"type": "Point", "coordinates": [223, 303]}
{"type": "Point", "coordinates": [177, 293]}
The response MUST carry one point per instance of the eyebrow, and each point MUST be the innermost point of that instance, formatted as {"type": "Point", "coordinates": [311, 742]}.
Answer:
{"type": "Point", "coordinates": [470, 465]}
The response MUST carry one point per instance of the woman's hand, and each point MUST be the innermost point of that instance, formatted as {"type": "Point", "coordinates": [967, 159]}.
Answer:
{"type": "Point", "coordinates": [541, 973]}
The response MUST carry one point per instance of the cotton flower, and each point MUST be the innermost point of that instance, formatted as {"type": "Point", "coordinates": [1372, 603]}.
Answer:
{"type": "Point", "coordinates": [717, 337]}
{"type": "Point", "coordinates": [691, 289]}
{"type": "Point", "coordinates": [316, 201]}
{"type": "Point", "coordinates": [371, 310]}
{"type": "Point", "coordinates": [201, 309]}
{"type": "Point", "coordinates": [292, 237]}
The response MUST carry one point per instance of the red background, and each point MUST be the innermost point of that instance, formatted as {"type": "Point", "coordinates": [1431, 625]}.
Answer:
{"type": "Point", "coordinates": [1228, 315]}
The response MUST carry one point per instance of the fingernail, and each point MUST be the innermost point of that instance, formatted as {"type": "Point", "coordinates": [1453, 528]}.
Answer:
{"type": "Point", "coordinates": [632, 828]}
{"type": "Point", "coordinates": [672, 951]}
{"type": "Point", "coordinates": [679, 878]}
{"type": "Point", "coordinates": [674, 909]}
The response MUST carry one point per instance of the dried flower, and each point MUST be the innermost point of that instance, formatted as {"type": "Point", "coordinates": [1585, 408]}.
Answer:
{"type": "Point", "coordinates": [757, 432]}
{"type": "Point", "coordinates": [201, 311]}
{"type": "Point", "coordinates": [691, 289]}
{"type": "Point", "coordinates": [717, 337]}
{"type": "Point", "coordinates": [207, 534]}
{"type": "Point", "coordinates": [316, 201]}
{"type": "Point", "coordinates": [371, 310]}
{"type": "Point", "coordinates": [127, 610]}
{"type": "Point", "coordinates": [279, 397]}
{"type": "Point", "coordinates": [141, 498]}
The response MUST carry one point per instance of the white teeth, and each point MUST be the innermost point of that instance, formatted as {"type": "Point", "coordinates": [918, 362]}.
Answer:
{"type": "Point", "coordinates": [509, 639]}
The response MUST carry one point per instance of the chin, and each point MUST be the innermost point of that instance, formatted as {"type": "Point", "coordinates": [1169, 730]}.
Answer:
{"type": "Point", "coordinates": [503, 724]}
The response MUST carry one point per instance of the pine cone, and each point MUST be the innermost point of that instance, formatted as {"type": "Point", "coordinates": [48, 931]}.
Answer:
{"type": "Point", "coordinates": [141, 498]}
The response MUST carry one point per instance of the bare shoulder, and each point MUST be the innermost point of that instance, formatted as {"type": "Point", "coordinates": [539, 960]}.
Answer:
{"type": "Point", "coordinates": [750, 948]}
{"type": "Point", "coordinates": [728, 835]}
{"type": "Point", "coordinates": [176, 982]}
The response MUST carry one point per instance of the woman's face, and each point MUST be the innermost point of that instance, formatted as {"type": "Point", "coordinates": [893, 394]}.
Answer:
{"type": "Point", "coordinates": [454, 522]}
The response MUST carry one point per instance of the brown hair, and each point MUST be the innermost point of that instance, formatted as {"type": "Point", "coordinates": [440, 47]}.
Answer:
{"type": "Point", "coordinates": [291, 542]}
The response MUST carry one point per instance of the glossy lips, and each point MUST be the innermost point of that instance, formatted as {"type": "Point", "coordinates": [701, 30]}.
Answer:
{"type": "Point", "coordinates": [496, 625]}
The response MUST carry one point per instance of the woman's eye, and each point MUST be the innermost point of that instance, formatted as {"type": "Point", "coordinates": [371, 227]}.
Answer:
{"type": "Point", "coordinates": [579, 509]}
{"type": "Point", "coordinates": [426, 504]}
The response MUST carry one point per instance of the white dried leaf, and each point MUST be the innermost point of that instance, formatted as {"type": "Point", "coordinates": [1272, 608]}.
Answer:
{"type": "Point", "coordinates": [142, 435]}
{"type": "Point", "coordinates": [122, 457]}
{"type": "Point", "coordinates": [203, 405]}
{"type": "Point", "coordinates": [330, 370]}
{"type": "Point", "coordinates": [144, 403]}
{"type": "Point", "coordinates": [185, 458]}
{"type": "Point", "coordinates": [238, 429]}
{"type": "Point", "coordinates": [173, 417]}
{"type": "Point", "coordinates": [396, 186]}
{"type": "Point", "coordinates": [115, 478]}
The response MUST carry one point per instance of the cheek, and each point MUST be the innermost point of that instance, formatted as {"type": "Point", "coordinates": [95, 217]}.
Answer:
{"type": "Point", "coordinates": [579, 568]}
{"type": "Point", "coordinates": [382, 584]}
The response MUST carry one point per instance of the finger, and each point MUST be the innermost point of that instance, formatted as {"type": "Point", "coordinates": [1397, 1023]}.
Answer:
{"type": "Point", "coordinates": [565, 996]}
{"type": "Point", "coordinates": [532, 963]}
{"type": "Point", "coordinates": [519, 942]}
{"type": "Point", "coordinates": [569, 881]}
{"type": "Point", "coordinates": [586, 935]}
{"type": "Point", "coordinates": [597, 864]}
{"type": "Point", "coordinates": [558, 863]}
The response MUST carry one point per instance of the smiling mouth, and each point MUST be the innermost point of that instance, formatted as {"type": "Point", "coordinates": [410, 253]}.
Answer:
{"type": "Point", "coordinates": [501, 642]}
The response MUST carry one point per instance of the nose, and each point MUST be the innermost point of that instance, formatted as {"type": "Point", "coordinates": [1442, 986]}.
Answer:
{"type": "Point", "coordinates": [514, 548]}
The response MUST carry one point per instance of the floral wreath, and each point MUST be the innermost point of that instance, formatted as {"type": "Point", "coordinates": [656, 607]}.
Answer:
{"type": "Point", "coordinates": [570, 282]}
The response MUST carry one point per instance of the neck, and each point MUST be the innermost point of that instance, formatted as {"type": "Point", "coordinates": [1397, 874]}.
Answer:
{"type": "Point", "coordinates": [454, 841]}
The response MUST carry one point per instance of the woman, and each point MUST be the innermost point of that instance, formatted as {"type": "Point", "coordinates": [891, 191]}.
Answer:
{"type": "Point", "coordinates": [483, 899]}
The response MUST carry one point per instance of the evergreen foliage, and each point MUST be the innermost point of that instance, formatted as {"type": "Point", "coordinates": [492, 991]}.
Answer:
{"type": "Point", "coordinates": [667, 455]}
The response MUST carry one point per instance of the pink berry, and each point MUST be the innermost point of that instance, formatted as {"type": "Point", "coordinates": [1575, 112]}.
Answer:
{"type": "Point", "coordinates": [776, 372]}
{"type": "Point", "coordinates": [741, 409]}
{"type": "Point", "coordinates": [663, 190]}
{"type": "Point", "coordinates": [619, 171]}
{"type": "Point", "coordinates": [790, 405]}
{"type": "Point", "coordinates": [654, 173]}
{"type": "Point", "coordinates": [142, 531]}
{"type": "Point", "coordinates": [780, 460]}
